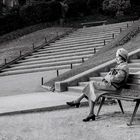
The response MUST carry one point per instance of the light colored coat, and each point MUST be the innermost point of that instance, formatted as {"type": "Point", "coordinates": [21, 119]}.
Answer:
{"type": "Point", "coordinates": [113, 81]}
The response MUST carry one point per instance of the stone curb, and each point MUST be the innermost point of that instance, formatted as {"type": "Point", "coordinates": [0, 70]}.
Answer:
{"type": "Point", "coordinates": [41, 109]}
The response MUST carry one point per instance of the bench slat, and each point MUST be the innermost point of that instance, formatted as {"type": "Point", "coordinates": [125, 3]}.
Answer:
{"type": "Point", "coordinates": [134, 76]}
{"type": "Point", "coordinates": [132, 86]}
{"type": "Point", "coordinates": [118, 97]}
{"type": "Point", "coordinates": [134, 81]}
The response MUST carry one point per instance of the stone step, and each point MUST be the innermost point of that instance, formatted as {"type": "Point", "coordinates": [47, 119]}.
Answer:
{"type": "Point", "coordinates": [46, 50]}
{"type": "Point", "coordinates": [125, 24]}
{"type": "Point", "coordinates": [68, 39]}
{"type": "Point", "coordinates": [62, 52]}
{"type": "Point", "coordinates": [94, 45]}
{"type": "Point", "coordinates": [131, 70]}
{"type": "Point", "coordinates": [92, 33]}
{"type": "Point", "coordinates": [134, 65]}
{"type": "Point", "coordinates": [108, 27]}
{"type": "Point", "coordinates": [78, 89]}
{"type": "Point", "coordinates": [50, 61]}
{"type": "Point", "coordinates": [55, 58]}
{"type": "Point", "coordinates": [6, 73]}
{"type": "Point", "coordinates": [134, 70]}
{"type": "Point", "coordinates": [103, 74]}
{"type": "Point", "coordinates": [114, 24]}
{"type": "Point", "coordinates": [100, 29]}
{"type": "Point", "coordinates": [83, 84]}
{"type": "Point", "coordinates": [90, 79]}
{"type": "Point", "coordinates": [97, 37]}
{"type": "Point", "coordinates": [39, 65]}
{"type": "Point", "coordinates": [95, 78]}
{"type": "Point", "coordinates": [135, 61]}
{"type": "Point", "coordinates": [59, 55]}
{"type": "Point", "coordinates": [80, 41]}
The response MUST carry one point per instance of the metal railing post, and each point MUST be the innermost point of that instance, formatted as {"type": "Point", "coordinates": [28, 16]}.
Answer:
{"type": "Point", "coordinates": [33, 46]}
{"type": "Point", "coordinates": [5, 61]}
{"type": "Point", "coordinates": [127, 25]}
{"type": "Point", "coordinates": [113, 36]}
{"type": "Point", "coordinates": [45, 40]}
{"type": "Point", "coordinates": [104, 41]}
{"type": "Point", "coordinates": [71, 65]}
{"type": "Point", "coordinates": [20, 53]}
{"type": "Point", "coordinates": [94, 50]}
{"type": "Point", "coordinates": [42, 81]}
{"type": "Point", "coordinates": [57, 73]}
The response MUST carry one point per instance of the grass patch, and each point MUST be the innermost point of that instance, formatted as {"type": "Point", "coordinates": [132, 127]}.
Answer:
{"type": "Point", "coordinates": [11, 49]}
{"type": "Point", "coordinates": [24, 31]}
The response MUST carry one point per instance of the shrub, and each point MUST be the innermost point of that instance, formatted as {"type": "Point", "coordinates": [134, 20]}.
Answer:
{"type": "Point", "coordinates": [42, 12]}
{"type": "Point", "coordinates": [76, 8]}
{"type": "Point", "coordinates": [116, 6]}
{"type": "Point", "coordinates": [9, 23]}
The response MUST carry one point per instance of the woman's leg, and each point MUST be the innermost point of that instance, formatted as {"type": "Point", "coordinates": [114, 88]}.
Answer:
{"type": "Point", "coordinates": [91, 115]}
{"type": "Point", "coordinates": [92, 97]}
{"type": "Point", "coordinates": [91, 107]}
{"type": "Point", "coordinates": [77, 101]}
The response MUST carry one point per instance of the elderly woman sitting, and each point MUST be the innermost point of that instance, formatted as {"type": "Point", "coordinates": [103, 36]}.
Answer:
{"type": "Point", "coordinates": [113, 81]}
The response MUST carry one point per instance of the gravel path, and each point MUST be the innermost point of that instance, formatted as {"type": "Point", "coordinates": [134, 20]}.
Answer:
{"type": "Point", "coordinates": [68, 125]}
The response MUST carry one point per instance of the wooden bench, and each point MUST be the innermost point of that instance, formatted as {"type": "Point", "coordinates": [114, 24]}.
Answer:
{"type": "Point", "coordinates": [87, 24]}
{"type": "Point", "coordinates": [130, 92]}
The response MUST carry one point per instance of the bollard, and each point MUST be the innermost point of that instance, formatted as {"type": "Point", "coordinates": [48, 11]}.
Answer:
{"type": "Point", "coordinates": [42, 82]}
{"type": "Point", "coordinates": [104, 41]}
{"type": "Point", "coordinates": [56, 34]}
{"type": "Point", "coordinates": [113, 36]}
{"type": "Point", "coordinates": [120, 30]}
{"type": "Point", "coordinates": [94, 50]}
{"type": "Point", "coordinates": [45, 40]}
{"type": "Point", "coordinates": [57, 73]}
{"type": "Point", "coordinates": [20, 53]}
{"type": "Point", "coordinates": [5, 61]}
{"type": "Point", "coordinates": [127, 25]}
{"type": "Point", "coordinates": [33, 46]}
{"type": "Point", "coordinates": [71, 65]}
{"type": "Point", "coordinates": [82, 59]}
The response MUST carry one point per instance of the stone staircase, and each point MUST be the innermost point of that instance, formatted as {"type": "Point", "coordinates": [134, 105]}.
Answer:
{"type": "Point", "coordinates": [68, 52]}
{"type": "Point", "coordinates": [134, 66]}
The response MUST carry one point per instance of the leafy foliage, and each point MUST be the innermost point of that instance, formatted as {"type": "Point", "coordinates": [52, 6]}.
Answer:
{"type": "Point", "coordinates": [116, 5]}
{"type": "Point", "coordinates": [76, 7]}
{"type": "Point", "coordinates": [42, 12]}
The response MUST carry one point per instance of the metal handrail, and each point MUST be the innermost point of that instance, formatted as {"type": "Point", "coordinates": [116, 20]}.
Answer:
{"type": "Point", "coordinates": [20, 57]}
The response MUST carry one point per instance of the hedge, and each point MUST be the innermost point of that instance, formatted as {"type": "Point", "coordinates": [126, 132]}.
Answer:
{"type": "Point", "coordinates": [9, 23]}
{"type": "Point", "coordinates": [42, 12]}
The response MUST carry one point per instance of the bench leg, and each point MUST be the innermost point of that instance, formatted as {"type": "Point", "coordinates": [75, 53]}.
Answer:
{"type": "Point", "coordinates": [134, 112]}
{"type": "Point", "coordinates": [102, 101]}
{"type": "Point", "coordinates": [120, 104]}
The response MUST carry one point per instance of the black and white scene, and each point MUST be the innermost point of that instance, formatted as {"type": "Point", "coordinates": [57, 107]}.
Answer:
{"type": "Point", "coordinates": [69, 69]}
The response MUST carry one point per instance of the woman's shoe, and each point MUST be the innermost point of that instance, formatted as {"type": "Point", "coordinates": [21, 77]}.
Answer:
{"type": "Point", "coordinates": [72, 103]}
{"type": "Point", "coordinates": [89, 117]}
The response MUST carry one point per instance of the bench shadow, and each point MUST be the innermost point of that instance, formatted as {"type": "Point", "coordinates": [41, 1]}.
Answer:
{"type": "Point", "coordinates": [120, 116]}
